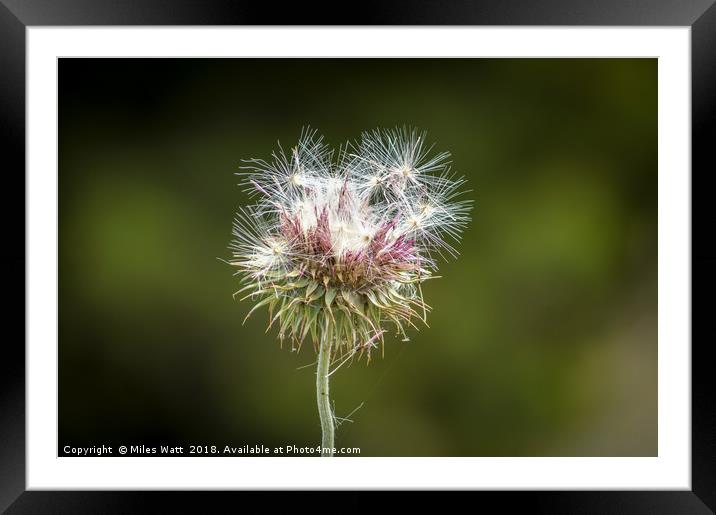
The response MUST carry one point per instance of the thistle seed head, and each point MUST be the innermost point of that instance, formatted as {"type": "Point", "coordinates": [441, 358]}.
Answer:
{"type": "Point", "coordinates": [337, 244]}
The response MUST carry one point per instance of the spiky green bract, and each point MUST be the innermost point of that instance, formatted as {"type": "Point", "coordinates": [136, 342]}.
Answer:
{"type": "Point", "coordinates": [304, 307]}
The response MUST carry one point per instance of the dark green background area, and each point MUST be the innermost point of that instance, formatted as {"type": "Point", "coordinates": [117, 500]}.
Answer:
{"type": "Point", "coordinates": [543, 338]}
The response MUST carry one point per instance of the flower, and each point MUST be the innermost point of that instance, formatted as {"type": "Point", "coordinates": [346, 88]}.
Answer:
{"type": "Point", "coordinates": [337, 244]}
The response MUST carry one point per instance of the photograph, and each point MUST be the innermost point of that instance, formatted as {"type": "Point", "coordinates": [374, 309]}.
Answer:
{"type": "Point", "coordinates": [357, 257]}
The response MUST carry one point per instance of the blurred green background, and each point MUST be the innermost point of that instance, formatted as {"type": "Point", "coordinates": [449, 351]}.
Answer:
{"type": "Point", "coordinates": [543, 339]}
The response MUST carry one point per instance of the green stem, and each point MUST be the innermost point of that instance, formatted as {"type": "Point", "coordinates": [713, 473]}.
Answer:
{"type": "Point", "coordinates": [322, 396]}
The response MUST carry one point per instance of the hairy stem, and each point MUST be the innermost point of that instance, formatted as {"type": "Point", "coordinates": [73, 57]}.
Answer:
{"type": "Point", "coordinates": [323, 398]}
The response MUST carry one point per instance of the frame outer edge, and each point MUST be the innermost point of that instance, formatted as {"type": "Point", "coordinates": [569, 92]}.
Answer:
{"type": "Point", "coordinates": [12, 133]}
{"type": "Point", "coordinates": [371, 12]}
{"type": "Point", "coordinates": [703, 123]}
{"type": "Point", "coordinates": [12, 360]}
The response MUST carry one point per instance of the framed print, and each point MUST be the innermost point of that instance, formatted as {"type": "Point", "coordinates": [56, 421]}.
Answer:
{"type": "Point", "coordinates": [441, 250]}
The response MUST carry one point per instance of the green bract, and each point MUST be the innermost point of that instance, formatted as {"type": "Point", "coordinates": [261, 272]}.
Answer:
{"type": "Point", "coordinates": [302, 308]}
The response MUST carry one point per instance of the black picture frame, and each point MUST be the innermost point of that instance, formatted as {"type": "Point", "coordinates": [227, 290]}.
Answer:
{"type": "Point", "coordinates": [16, 15]}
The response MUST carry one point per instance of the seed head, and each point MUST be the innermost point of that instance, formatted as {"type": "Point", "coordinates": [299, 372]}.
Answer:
{"type": "Point", "coordinates": [337, 244]}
